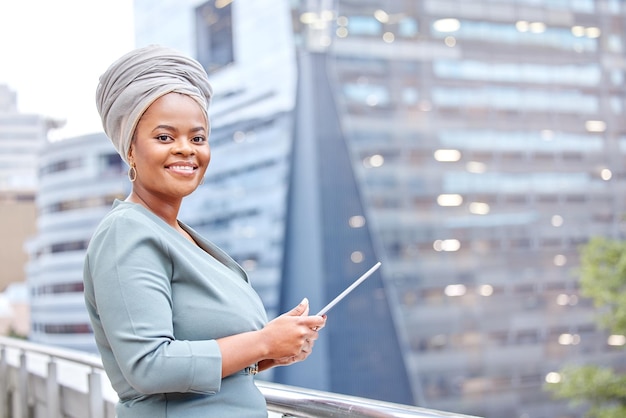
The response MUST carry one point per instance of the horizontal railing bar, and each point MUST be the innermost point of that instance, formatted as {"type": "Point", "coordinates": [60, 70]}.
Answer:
{"type": "Point", "coordinates": [304, 403]}
{"type": "Point", "coordinates": [86, 359]}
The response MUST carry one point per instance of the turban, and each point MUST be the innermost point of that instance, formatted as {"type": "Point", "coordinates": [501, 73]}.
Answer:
{"type": "Point", "coordinates": [133, 82]}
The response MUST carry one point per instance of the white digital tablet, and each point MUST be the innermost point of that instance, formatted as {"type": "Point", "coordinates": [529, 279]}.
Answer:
{"type": "Point", "coordinates": [349, 289]}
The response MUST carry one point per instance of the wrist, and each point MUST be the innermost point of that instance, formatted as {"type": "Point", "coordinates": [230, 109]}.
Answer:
{"type": "Point", "coordinates": [263, 344]}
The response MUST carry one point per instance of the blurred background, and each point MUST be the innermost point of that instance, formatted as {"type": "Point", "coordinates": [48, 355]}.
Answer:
{"type": "Point", "coordinates": [470, 146]}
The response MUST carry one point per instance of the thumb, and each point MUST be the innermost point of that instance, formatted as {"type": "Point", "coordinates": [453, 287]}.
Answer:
{"type": "Point", "coordinates": [301, 309]}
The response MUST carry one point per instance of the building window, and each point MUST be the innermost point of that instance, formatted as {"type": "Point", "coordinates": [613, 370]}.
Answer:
{"type": "Point", "coordinates": [63, 165]}
{"type": "Point", "coordinates": [214, 35]}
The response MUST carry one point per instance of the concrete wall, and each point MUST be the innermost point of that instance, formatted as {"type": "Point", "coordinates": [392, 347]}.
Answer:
{"type": "Point", "coordinates": [17, 224]}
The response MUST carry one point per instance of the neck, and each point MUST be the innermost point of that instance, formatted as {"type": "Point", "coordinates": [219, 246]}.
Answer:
{"type": "Point", "coordinates": [164, 209]}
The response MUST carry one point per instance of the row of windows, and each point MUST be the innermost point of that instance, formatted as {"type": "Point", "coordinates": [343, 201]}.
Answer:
{"type": "Point", "coordinates": [229, 134]}
{"type": "Point", "coordinates": [587, 6]}
{"type": "Point", "coordinates": [546, 232]}
{"type": "Point", "coordinates": [552, 335]}
{"type": "Point", "coordinates": [62, 165]}
{"type": "Point", "coordinates": [18, 196]}
{"type": "Point", "coordinates": [62, 247]}
{"type": "Point", "coordinates": [498, 98]}
{"type": "Point", "coordinates": [414, 158]}
{"type": "Point", "coordinates": [391, 26]}
{"type": "Point", "coordinates": [48, 289]}
{"type": "Point", "coordinates": [519, 301]}
{"type": "Point", "coordinates": [80, 203]}
{"type": "Point", "coordinates": [253, 168]}
{"type": "Point", "coordinates": [517, 140]}
{"type": "Point", "coordinates": [520, 246]}
{"type": "Point", "coordinates": [400, 197]}
{"type": "Point", "coordinates": [578, 75]}
{"type": "Point", "coordinates": [440, 387]}
{"type": "Point", "coordinates": [516, 99]}
{"type": "Point", "coordinates": [107, 163]}
{"type": "Point", "coordinates": [375, 25]}
{"type": "Point", "coordinates": [468, 183]}
{"type": "Point", "coordinates": [83, 328]}
{"type": "Point", "coordinates": [223, 221]}
{"type": "Point", "coordinates": [503, 33]}
{"type": "Point", "coordinates": [412, 295]}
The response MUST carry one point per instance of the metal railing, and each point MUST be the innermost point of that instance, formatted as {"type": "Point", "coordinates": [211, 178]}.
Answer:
{"type": "Point", "coordinates": [39, 381]}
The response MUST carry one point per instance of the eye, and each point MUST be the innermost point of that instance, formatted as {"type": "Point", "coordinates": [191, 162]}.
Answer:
{"type": "Point", "coordinates": [163, 138]}
{"type": "Point", "coordinates": [198, 139]}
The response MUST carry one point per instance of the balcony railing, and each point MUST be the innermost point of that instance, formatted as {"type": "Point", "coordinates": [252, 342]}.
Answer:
{"type": "Point", "coordinates": [38, 381]}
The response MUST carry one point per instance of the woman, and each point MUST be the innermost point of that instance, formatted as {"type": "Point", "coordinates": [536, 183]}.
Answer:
{"type": "Point", "coordinates": [180, 330]}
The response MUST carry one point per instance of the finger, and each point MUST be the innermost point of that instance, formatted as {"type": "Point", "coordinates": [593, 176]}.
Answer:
{"type": "Point", "coordinates": [320, 326]}
{"type": "Point", "coordinates": [301, 310]}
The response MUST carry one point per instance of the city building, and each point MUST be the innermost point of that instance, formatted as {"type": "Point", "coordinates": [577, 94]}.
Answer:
{"type": "Point", "coordinates": [79, 178]}
{"type": "Point", "coordinates": [21, 138]}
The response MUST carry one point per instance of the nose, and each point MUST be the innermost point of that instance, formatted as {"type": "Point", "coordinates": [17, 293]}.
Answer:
{"type": "Point", "coordinates": [183, 146]}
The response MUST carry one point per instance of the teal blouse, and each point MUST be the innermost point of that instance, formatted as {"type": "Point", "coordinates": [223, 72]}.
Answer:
{"type": "Point", "coordinates": [157, 303]}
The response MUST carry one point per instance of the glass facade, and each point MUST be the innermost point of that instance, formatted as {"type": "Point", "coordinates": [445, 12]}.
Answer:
{"type": "Point", "coordinates": [487, 143]}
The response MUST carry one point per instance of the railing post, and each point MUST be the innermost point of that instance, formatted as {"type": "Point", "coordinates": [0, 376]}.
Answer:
{"type": "Point", "coordinates": [4, 384]}
{"type": "Point", "coordinates": [52, 390]}
{"type": "Point", "coordinates": [21, 405]}
{"type": "Point", "coordinates": [96, 400]}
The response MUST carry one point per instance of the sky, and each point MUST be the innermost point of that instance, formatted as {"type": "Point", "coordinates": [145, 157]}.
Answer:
{"type": "Point", "coordinates": [53, 52]}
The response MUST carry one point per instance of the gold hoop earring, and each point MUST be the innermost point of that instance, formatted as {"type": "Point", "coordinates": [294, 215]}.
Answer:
{"type": "Point", "coordinates": [132, 173]}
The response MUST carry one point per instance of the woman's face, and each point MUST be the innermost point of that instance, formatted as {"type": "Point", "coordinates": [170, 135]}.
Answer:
{"type": "Point", "coordinates": [170, 148]}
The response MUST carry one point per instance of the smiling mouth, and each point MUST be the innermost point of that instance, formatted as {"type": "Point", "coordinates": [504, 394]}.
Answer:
{"type": "Point", "coordinates": [183, 168]}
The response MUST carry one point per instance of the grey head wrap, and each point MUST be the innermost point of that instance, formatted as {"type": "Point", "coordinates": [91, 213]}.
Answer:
{"type": "Point", "coordinates": [133, 82]}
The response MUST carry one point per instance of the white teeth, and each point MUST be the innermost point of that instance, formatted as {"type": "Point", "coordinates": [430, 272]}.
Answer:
{"type": "Point", "coordinates": [181, 168]}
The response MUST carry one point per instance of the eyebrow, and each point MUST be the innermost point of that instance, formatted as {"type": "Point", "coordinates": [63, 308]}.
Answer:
{"type": "Point", "coordinates": [173, 129]}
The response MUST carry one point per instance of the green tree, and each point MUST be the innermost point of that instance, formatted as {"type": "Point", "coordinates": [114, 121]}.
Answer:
{"type": "Point", "coordinates": [603, 279]}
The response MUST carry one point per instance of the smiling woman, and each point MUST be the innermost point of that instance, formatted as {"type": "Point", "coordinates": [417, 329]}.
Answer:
{"type": "Point", "coordinates": [179, 327]}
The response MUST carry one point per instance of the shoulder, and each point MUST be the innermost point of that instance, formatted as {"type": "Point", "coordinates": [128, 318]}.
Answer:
{"type": "Point", "coordinates": [127, 224]}
{"type": "Point", "coordinates": [129, 217]}
{"type": "Point", "coordinates": [126, 237]}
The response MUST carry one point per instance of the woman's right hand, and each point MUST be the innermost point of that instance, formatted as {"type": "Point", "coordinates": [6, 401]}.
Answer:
{"type": "Point", "coordinates": [284, 340]}
{"type": "Point", "coordinates": [290, 337]}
